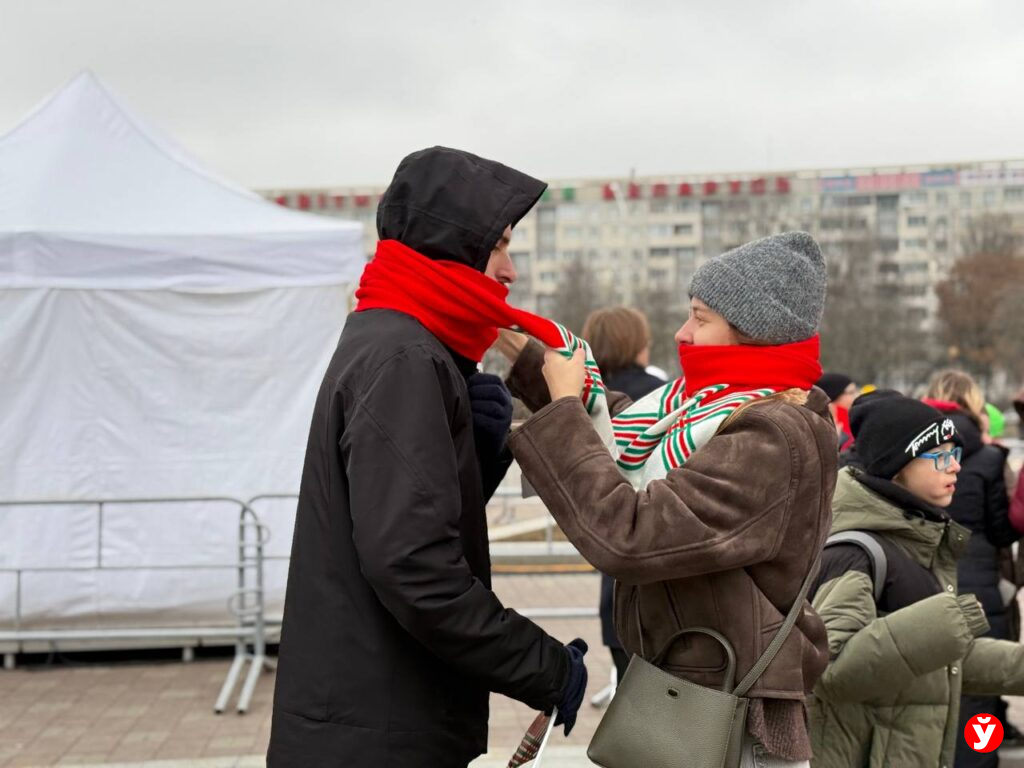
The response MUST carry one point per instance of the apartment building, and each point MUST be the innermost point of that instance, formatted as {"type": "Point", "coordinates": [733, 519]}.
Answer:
{"type": "Point", "coordinates": [897, 229]}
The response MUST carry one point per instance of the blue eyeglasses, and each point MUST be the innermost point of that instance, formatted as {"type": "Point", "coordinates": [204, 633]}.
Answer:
{"type": "Point", "coordinates": [943, 459]}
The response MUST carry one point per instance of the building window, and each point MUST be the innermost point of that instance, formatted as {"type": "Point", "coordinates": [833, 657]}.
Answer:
{"type": "Point", "coordinates": [916, 244]}
{"type": "Point", "coordinates": [682, 229]}
{"type": "Point", "coordinates": [659, 206]}
{"type": "Point", "coordinates": [659, 230]}
{"type": "Point", "coordinates": [569, 212]}
{"type": "Point", "coordinates": [917, 221]}
{"type": "Point", "coordinates": [965, 200]}
{"type": "Point", "coordinates": [991, 196]}
{"type": "Point", "coordinates": [941, 199]}
{"type": "Point", "coordinates": [888, 202]}
{"type": "Point", "coordinates": [1013, 194]}
{"type": "Point", "coordinates": [683, 206]}
{"type": "Point", "coordinates": [660, 253]}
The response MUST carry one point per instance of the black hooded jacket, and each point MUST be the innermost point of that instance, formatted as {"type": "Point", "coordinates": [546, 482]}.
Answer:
{"type": "Point", "coordinates": [392, 637]}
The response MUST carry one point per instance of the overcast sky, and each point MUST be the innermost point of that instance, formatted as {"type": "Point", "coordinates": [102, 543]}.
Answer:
{"type": "Point", "coordinates": [320, 92]}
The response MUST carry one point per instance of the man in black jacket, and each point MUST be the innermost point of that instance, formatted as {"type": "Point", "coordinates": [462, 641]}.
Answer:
{"type": "Point", "coordinates": [392, 637]}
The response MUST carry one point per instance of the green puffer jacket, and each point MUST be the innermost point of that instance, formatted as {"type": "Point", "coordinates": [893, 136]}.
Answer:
{"type": "Point", "coordinates": [890, 695]}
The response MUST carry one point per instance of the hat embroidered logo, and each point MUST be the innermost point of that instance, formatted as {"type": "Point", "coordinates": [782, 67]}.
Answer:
{"type": "Point", "coordinates": [940, 433]}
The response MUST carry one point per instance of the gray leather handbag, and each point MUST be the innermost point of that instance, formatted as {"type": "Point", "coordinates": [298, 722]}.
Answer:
{"type": "Point", "coordinates": [657, 720]}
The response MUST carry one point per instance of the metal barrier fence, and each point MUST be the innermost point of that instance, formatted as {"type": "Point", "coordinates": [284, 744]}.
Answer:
{"type": "Point", "coordinates": [246, 603]}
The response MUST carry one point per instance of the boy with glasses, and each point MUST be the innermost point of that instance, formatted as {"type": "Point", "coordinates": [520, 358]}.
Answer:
{"type": "Point", "coordinates": [902, 650]}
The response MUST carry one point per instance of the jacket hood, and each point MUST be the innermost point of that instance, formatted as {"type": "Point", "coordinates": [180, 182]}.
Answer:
{"type": "Point", "coordinates": [864, 503]}
{"type": "Point", "coordinates": [452, 205]}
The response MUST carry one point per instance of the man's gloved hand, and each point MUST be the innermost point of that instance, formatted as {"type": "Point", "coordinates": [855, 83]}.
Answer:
{"type": "Point", "coordinates": [575, 685]}
{"type": "Point", "coordinates": [491, 405]}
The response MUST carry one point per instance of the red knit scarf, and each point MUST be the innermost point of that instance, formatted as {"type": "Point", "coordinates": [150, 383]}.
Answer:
{"type": "Point", "coordinates": [460, 306]}
{"type": "Point", "coordinates": [748, 367]}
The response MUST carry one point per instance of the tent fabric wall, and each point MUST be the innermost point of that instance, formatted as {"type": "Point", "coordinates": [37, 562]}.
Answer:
{"type": "Point", "coordinates": [162, 334]}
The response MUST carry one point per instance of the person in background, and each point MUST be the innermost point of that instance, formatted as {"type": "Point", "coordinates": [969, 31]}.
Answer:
{"type": "Point", "coordinates": [841, 391]}
{"type": "Point", "coordinates": [981, 505]}
{"type": "Point", "coordinates": [995, 423]}
{"type": "Point", "coordinates": [1017, 505]}
{"type": "Point", "coordinates": [620, 339]}
{"type": "Point", "coordinates": [900, 659]}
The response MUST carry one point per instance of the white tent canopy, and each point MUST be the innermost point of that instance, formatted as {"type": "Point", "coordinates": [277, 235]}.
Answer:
{"type": "Point", "coordinates": [162, 333]}
{"type": "Point", "coordinates": [90, 197]}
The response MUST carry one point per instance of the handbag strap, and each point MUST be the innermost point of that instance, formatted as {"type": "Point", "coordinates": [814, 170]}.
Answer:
{"type": "Point", "coordinates": [730, 654]}
{"type": "Point", "coordinates": [780, 637]}
{"type": "Point", "coordinates": [730, 671]}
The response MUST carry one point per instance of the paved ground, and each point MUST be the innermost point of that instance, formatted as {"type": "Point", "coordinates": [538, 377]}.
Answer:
{"type": "Point", "coordinates": [129, 714]}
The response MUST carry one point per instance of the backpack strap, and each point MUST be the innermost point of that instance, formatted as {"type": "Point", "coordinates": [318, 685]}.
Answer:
{"type": "Point", "coordinates": [869, 544]}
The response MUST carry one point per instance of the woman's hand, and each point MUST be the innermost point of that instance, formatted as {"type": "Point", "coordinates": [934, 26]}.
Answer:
{"type": "Point", "coordinates": [510, 343]}
{"type": "Point", "coordinates": [565, 375]}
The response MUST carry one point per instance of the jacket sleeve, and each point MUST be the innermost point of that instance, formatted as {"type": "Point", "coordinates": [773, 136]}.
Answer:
{"type": "Point", "coordinates": [405, 497]}
{"type": "Point", "coordinates": [1017, 505]}
{"type": "Point", "coordinates": [715, 513]}
{"type": "Point", "coordinates": [526, 381]}
{"type": "Point", "coordinates": [873, 656]}
{"type": "Point", "coordinates": [493, 471]}
{"type": "Point", "coordinates": [994, 668]}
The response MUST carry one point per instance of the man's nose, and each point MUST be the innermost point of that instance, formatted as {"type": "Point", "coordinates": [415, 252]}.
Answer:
{"type": "Point", "coordinates": [507, 274]}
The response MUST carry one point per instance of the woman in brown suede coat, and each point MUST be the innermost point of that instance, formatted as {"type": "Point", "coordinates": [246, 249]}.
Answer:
{"type": "Point", "coordinates": [723, 526]}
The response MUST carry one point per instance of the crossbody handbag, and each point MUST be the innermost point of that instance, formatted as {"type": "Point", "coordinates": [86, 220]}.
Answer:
{"type": "Point", "coordinates": [657, 720]}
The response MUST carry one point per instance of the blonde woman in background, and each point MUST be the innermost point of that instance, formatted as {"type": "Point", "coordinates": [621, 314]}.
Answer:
{"type": "Point", "coordinates": [981, 504]}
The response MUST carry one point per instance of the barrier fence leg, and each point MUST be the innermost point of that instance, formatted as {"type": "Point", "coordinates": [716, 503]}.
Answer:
{"type": "Point", "coordinates": [250, 684]}
{"type": "Point", "coordinates": [188, 654]}
{"type": "Point", "coordinates": [229, 683]}
{"type": "Point", "coordinates": [8, 661]}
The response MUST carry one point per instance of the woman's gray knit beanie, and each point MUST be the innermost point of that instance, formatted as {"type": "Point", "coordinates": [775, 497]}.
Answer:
{"type": "Point", "coordinates": [771, 290]}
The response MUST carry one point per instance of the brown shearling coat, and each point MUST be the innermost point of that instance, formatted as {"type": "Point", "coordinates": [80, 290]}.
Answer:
{"type": "Point", "coordinates": [723, 542]}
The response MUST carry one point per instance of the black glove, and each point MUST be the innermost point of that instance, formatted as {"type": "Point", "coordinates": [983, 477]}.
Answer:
{"type": "Point", "coordinates": [575, 685]}
{"type": "Point", "coordinates": [491, 405]}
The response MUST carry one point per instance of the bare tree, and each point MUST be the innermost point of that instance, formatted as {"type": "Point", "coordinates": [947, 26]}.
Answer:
{"type": "Point", "coordinates": [578, 294]}
{"type": "Point", "coordinates": [1008, 333]}
{"type": "Point", "coordinates": [991, 233]}
{"type": "Point", "coordinates": [665, 313]}
{"type": "Point", "coordinates": [978, 301]}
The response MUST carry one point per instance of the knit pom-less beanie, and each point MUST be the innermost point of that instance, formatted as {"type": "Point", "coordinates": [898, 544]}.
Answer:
{"type": "Point", "coordinates": [772, 289]}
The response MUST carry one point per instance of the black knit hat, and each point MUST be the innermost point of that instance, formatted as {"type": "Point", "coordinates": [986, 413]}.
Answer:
{"type": "Point", "coordinates": [861, 404]}
{"type": "Point", "coordinates": [892, 430]}
{"type": "Point", "coordinates": [834, 384]}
